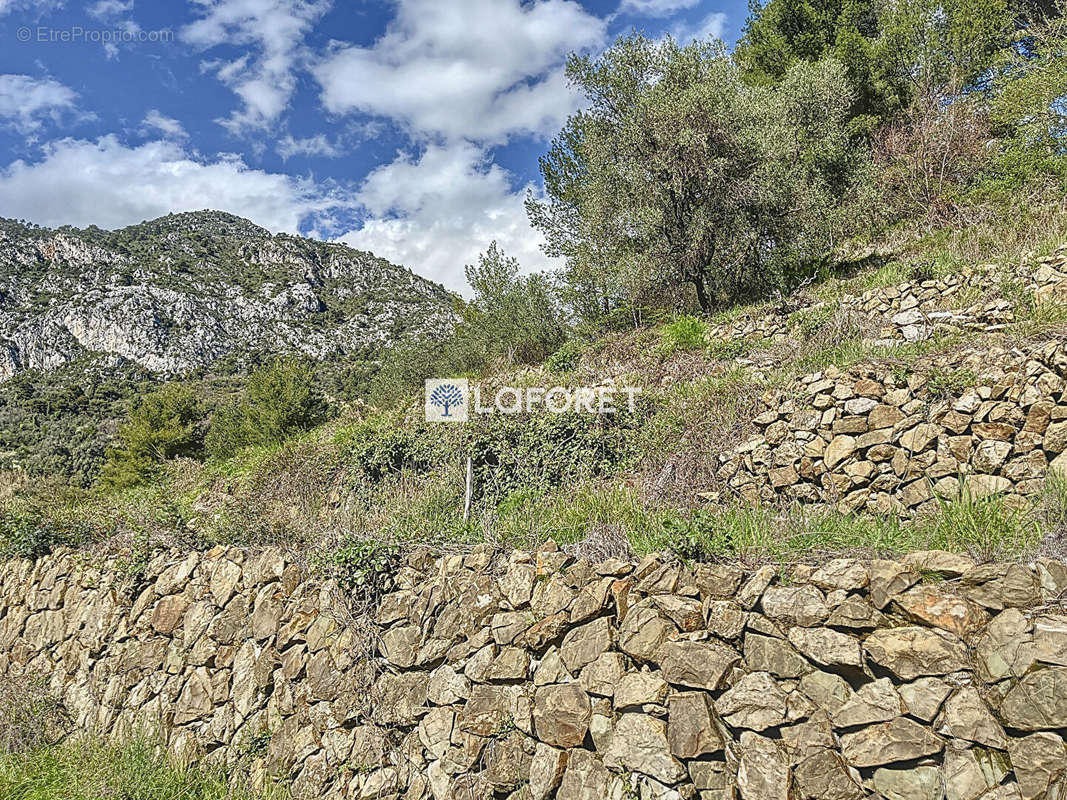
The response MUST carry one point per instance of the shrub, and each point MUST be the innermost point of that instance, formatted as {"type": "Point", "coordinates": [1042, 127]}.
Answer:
{"type": "Point", "coordinates": [281, 399]}
{"type": "Point", "coordinates": [566, 358]}
{"type": "Point", "coordinates": [164, 424]}
{"type": "Point", "coordinates": [684, 333]}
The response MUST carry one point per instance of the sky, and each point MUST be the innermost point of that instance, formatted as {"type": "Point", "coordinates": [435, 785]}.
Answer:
{"type": "Point", "coordinates": [410, 128]}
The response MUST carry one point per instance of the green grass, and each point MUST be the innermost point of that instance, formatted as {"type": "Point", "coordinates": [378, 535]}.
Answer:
{"type": "Point", "coordinates": [684, 333]}
{"type": "Point", "coordinates": [90, 770]}
{"type": "Point", "coordinates": [987, 527]}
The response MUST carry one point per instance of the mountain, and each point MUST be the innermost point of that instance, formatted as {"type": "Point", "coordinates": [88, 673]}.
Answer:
{"type": "Point", "coordinates": [178, 293]}
{"type": "Point", "coordinates": [91, 319]}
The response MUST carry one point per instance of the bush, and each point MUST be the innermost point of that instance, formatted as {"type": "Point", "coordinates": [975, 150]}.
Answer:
{"type": "Point", "coordinates": [566, 358]}
{"type": "Point", "coordinates": [685, 333]}
{"type": "Point", "coordinates": [29, 530]}
{"type": "Point", "coordinates": [281, 399]}
{"type": "Point", "coordinates": [164, 424]}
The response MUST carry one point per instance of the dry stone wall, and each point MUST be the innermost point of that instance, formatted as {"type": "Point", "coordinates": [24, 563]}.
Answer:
{"type": "Point", "coordinates": [879, 439]}
{"type": "Point", "coordinates": [887, 439]}
{"type": "Point", "coordinates": [533, 675]}
{"type": "Point", "coordinates": [915, 310]}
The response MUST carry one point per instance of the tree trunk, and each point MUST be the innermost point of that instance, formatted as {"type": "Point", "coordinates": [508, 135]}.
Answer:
{"type": "Point", "coordinates": [702, 293]}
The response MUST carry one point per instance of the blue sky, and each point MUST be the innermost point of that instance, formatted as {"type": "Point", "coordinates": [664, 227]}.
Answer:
{"type": "Point", "coordinates": [410, 128]}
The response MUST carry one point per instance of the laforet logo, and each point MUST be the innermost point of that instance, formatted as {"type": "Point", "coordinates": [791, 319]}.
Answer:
{"type": "Point", "coordinates": [447, 399]}
{"type": "Point", "coordinates": [455, 400]}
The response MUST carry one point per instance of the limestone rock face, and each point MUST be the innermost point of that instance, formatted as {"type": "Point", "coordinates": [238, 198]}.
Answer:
{"type": "Point", "coordinates": [660, 680]}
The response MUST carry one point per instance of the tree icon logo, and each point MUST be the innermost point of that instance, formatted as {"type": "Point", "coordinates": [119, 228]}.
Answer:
{"type": "Point", "coordinates": [446, 400]}
{"type": "Point", "coordinates": [447, 395]}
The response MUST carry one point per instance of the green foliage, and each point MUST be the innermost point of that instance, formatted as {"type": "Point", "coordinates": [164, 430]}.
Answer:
{"type": "Point", "coordinates": [164, 424]}
{"type": "Point", "coordinates": [512, 319]}
{"type": "Point", "coordinates": [680, 177]}
{"type": "Point", "coordinates": [362, 567]}
{"type": "Point", "coordinates": [729, 349]}
{"type": "Point", "coordinates": [280, 400]}
{"type": "Point", "coordinates": [60, 422]}
{"type": "Point", "coordinates": [892, 53]}
{"type": "Point", "coordinates": [29, 528]}
{"type": "Point", "coordinates": [567, 357]}
{"type": "Point", "coordinates": [684, 333]}
{"type": "Point", "coordinates": [986, 527]}
{"type": "Point", "coordinates": [140, 770]}
{"type": "Point", "coordinates": [941, 383]}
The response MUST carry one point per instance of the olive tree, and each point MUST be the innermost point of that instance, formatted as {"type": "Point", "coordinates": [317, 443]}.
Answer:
{"type": "Point", "coordinates": [679, 174]}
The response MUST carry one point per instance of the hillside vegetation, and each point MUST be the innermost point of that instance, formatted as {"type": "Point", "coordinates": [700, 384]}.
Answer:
{"type": "Point", "coordinates": [732, 225]}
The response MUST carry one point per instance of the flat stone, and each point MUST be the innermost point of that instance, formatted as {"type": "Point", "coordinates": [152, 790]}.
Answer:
{"type": "Point", "coordinates": [584, 644]}
{"type": "Point", "coordinates": [1038, 701]}
{"type": "Point", "coordinates": [917, 783]}
{"type": "Point", "coordinates": [773, 655]}
{"type": "Point", "coordinates": [828, 691]}
{"type": "Point", "coordinates": [697, 665]}
{"type": "Point", "coordinates": [691, 729]}
{"type": "Point", "coordinates": [640, 688]}
{"type": "Point", "coordinates": [640, 745]}
{"type": "Point", "coordinates": [874, 702]}
{"type": "Point", "coordinates": [840, 448]}
{"type": "Point", "coordinates": [825, 776]}
{"type": "Point", "coordinates": [561, 714]}
{"type": "Point", "coordinates": [901, 739]}
{"type": "Point", "coordinates": [923, 698]}
{"type": "Point", "coordinates": [914, 652]}
{"type": "Point", "coordinates": [796, 605]}
{"type": "Point", "coordinates": [937, 608]}
{"type": "Point", "coordinates": [644, 630]}
{"type": "Point", "coordinates": [968, 717]}
{"type": "Point", "coordinates": [1040, 764]}
{"type": "Point", "coordinates": [756, 703]}
{"type": "Point", "coordinates": [763, 769]}
{"type": "Point", "coordinates": [827, 647]}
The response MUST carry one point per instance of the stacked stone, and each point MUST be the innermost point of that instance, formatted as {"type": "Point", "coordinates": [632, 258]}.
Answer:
{"type": "Point", "coordinates": [917, 310]}
{"type": "Point", "coordinates": [872, 439]}
{"type": "Point", "coordinates": [536, 675]}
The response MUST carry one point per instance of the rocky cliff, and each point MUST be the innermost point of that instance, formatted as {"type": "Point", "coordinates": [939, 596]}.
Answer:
{"type": "Point", "coordinates": [185, 290]}
{"type": "Point", "coordinates": [533, 675]}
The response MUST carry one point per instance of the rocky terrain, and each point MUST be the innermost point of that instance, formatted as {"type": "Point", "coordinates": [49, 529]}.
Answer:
{"type": "Point", "coordinates": [181, 292]}
{"type": "Point", "coordinates": [534, 675]}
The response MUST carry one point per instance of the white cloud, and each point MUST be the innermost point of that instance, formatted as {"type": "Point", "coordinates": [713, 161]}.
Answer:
{"type": "Point", "coordinates": [474, 69]}
{"type": "Point", "coordinates": [263, 80]}
{"type": "Point", "coordinates": [26, 101]}
{"type": "Point", "coordinates": [655, 8]}
{"type": "Point", "coordinates": [155, 122]}
{"type": "Point", "coordinates": [109, 9]}
{"type": "Point", "coordinates": [710, 27]}
{"type": "Point", "coordinates": [437, 212]}
{"type": "Point", "coordinates": [37, 7]}
{"type": "Point", "coordinates": [317, 145]}
{"type": "Point", "coordinates": [108, 184]}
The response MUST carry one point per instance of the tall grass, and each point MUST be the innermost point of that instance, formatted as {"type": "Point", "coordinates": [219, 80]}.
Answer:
{"type": "Point", "coordinates": [91, 770]}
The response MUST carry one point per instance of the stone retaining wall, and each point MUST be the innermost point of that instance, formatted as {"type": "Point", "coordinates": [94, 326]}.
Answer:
{"type": "Point", "coordinates": [535, 675]}
{"type": "Point", "coordinates": [886, 441]}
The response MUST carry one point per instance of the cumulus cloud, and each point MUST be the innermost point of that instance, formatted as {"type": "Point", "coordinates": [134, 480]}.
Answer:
{"type": "Point", "coordinates": [264, 78]}
{"type": "Point", "coordinates": [109, 184]}
{"type": "Point", "coordinates": [438, 74]}
{"type": "Point", "coordinates": [26, 101]}
{"type": "Point", "coordinates": [655, 8]}
{"type": "Point", "coordinates": [437, 211]}
{"type": "Point", "coordinates": [155, 122]}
